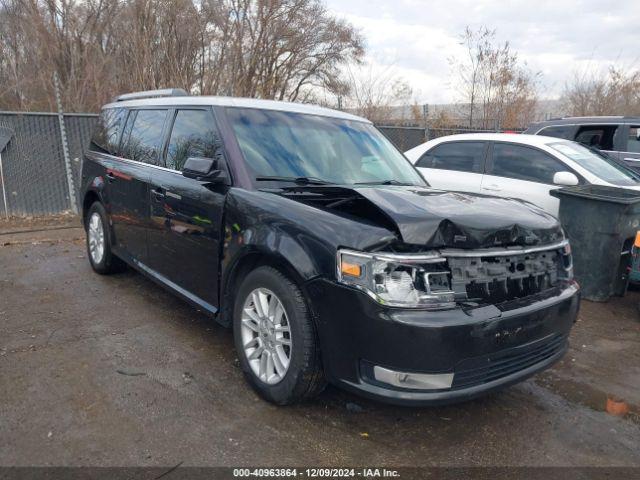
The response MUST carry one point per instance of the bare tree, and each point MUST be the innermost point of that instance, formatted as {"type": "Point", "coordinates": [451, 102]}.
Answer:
{"type": "Point", "coordinates": [613, 92]}
{"type": "Point", "coordinates": [380, 95]}
{"type": "Point", "coordinates": [278, 49]}
{"type": "Point", "coordinates": [498, 91]}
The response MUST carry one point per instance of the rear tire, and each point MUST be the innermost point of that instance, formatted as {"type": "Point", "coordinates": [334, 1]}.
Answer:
{"type": "Point", "coordinates": [102, 259]}
{"type": "Point", "coordinates": [275, 338]}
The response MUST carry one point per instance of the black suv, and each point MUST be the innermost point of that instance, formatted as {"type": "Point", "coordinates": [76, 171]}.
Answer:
{"type": "Point", "coordinates": [619, 137]}
{"type": "Point", "coordinates": [309, 234]}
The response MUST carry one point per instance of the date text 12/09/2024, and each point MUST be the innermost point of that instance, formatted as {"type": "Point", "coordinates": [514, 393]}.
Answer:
{"type": "Point", "coordinates": [316, 472]}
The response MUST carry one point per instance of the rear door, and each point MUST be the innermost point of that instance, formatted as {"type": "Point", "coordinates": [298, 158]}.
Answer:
{"type": "Point", "coordinates": [630, 149]}
{"type": "Point", "coordinates": [456, 166]}
{"type": "Point", "coordinates": [520, 171]}
{"type": "Point", "coordinates": [127, 181]}
{"type": "Point", "coordinates": [186, 214]}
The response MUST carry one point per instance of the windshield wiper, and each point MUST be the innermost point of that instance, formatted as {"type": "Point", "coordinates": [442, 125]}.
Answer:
{"type": "Point", "coordinates": [298, 180]}
{"type": "Point", "coordinates": [386, 182]}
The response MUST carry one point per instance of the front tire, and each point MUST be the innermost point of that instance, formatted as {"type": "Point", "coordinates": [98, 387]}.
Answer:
{"type": "Point", "coordinates": [102, 259]}
{"type": "Point", "coordinates": [275, 338]}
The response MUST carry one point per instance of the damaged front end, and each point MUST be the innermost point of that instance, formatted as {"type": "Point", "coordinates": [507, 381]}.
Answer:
{"type": "Point", "coordinates": [449, 296]}
{"type": "Point", "coordinates": [412, 281]}
{"type": "Point", "coordinates": [441, 279]}
{"type": "Point", "coordinates": [449, 249]}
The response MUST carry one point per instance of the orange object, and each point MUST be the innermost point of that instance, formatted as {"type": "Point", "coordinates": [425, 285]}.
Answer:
{"type": "Point", "coordinates": [350, 269]}
{"type": "Point", "coordinates": [636, 243]}
{"type": "Point", "coordinates": [617, 407]}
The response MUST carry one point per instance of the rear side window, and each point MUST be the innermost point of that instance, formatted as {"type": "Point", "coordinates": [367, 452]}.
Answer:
{"type": "Point", "coordinates": [144, 139]}
{"type": "Point", "coordinates": [193, 135]}
{"type": "Point", "coordinates": [524, 163]}
{"type": "Point", "coordinates": [633, 141]}
{"type": "Point", "coordinates": [107, 131]}
{"type": "Point", "coordinates": [597, 136]}
{"type": "Point", "coordinates": [558, 131]}
{"type": "Point", "coordinates": [457, 156]}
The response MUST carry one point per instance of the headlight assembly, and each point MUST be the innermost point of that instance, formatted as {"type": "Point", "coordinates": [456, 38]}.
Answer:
{"type": "Point", "coordinates": [410, 281]}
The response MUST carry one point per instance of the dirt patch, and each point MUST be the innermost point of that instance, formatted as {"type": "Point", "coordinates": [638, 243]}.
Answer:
{"type": "Point", "coordinates": [47, 229]}
{"type": "Point", "coordinates": [604, 358]}
{"type": "Point", "coordinates": [48, 222]}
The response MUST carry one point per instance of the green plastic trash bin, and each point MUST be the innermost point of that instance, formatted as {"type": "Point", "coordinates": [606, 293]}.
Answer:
{"type": "Point", "coordinates": [601, 223]}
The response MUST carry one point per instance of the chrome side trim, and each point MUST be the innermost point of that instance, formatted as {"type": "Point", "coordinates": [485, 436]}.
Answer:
{"type": "Point", "coordinates": [98, 155]}
{"type": "Point", "coordinates": [185, 293]}
{"type": "Point", "coordinates": [500, 252]}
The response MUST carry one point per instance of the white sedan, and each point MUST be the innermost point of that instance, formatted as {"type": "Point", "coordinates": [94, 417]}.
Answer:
{"type": "Point", "coordinates": [516, 166]}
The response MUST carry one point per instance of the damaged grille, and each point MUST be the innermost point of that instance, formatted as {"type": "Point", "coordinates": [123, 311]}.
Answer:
{"type": "Point", "coordinates": [498, 278]}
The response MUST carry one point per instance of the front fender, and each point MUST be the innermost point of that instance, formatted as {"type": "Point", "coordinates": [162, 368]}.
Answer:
{"type": "Point", "coordinates": [301, 238]}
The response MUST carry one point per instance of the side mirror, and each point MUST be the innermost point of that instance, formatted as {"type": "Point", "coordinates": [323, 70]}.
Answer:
{"type": "Point", "coordinates": [566, 179]}
{"type": "Point", "coordinates": [203, 169]}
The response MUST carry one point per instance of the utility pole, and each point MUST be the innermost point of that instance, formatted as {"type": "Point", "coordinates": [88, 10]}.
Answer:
{"type": "Point", "coordinates": [5, 138]}
{"type": "Point", "coordinates": [65, 147]}
{"type": "Point", "coordinates": [425, 118]}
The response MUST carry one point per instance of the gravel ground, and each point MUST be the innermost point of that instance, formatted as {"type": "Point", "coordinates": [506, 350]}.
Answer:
{"type": "Point", "coordinates": [114, 371]}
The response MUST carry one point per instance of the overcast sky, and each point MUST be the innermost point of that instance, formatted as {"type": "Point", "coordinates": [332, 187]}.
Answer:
{"type": "Point", "coordinates": [556, 37]}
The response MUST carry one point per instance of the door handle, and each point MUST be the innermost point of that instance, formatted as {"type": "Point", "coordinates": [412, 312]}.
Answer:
{"type": "Point", "coordinates": [158, 194]}
{"type": "Point", "coordinates": [492, 188]}
{"type": "Point", "coordinates": [110, 176]}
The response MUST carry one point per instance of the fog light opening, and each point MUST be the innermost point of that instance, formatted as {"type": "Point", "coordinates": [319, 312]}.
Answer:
{"type": "Point", "coordinates": [416, 381]}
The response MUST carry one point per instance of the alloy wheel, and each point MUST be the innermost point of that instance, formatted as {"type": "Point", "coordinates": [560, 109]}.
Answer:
{"type": "Point", "coordinates": [96, 238]}
{"type": "Point", "coordinates": [266, 335]}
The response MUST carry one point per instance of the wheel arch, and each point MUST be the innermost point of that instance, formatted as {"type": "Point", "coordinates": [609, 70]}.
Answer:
{"type": "Point", "coordinates": [246, 262]}
{"type": "Point", "coordinates": [90, 197]}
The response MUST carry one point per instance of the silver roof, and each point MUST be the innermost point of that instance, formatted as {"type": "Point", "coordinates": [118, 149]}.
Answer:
{"type": "Point", "coordinates": [238, 102]}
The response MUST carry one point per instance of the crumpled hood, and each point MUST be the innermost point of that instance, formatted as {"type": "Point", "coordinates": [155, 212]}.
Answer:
{"type": "Point", "coordinates": [436, 218]}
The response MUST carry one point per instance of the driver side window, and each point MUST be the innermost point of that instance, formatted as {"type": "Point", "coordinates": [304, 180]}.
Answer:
{"type": "Point", "coordinates": [633, 142]}
{"type": "Point", "coordinates": [193, 135]}
{"type": "Point", "coordinates": [597, 136]}
{"type": "Point", "coordinates": [524, 163]}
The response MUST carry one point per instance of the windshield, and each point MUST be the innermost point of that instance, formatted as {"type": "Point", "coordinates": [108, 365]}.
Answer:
{"type": "Point", "coordinates": [324, 149]}
{"type": "Point", "coordinates": [597, 163]}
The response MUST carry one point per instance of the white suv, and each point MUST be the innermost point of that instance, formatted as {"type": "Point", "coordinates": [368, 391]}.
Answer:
{"type": "Point", "coordinates": [517, 166]}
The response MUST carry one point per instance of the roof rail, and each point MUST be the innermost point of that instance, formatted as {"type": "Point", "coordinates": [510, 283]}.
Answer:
{"type": "Point", "coordinates": [164, 92]}
{"type": "Point", "coordinates": [592, 116]}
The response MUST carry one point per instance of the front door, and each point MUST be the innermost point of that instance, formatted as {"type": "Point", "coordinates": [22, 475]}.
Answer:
{"type": "Point", "coordinates": [518, 171]}
{"type": "Point", "coordinates": [186, 215]}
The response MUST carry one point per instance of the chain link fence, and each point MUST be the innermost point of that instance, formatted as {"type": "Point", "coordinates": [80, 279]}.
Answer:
{"type": "Point", "coordinates": [405, 138]}
{"type": "Point", "coordinates": [34, 176]}
{"type": "Point", "coordinates": [33, 173]}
